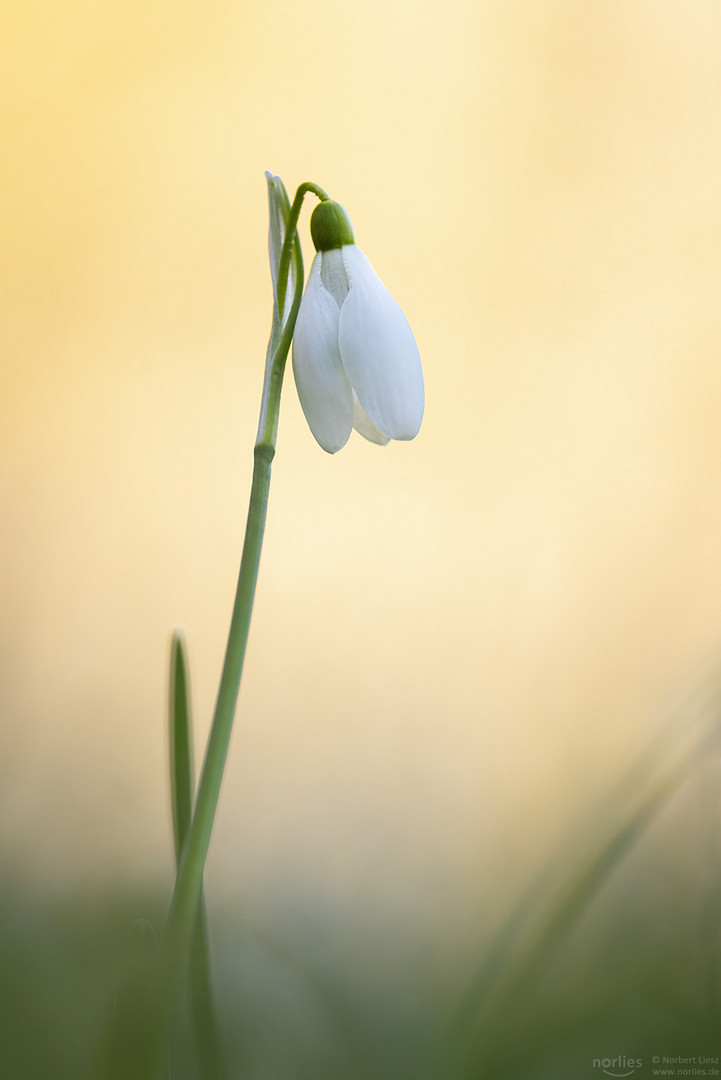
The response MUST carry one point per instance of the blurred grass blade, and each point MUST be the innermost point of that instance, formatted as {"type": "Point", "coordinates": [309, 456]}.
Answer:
{"type": "Point", "coordinates": [130, 1047]}
{"type": "Point", "coordinates": [181, 764]}
{"type": "Point", "coordinates": [182, 786]}
{"type": "Point", "coordinates": [552, 908]}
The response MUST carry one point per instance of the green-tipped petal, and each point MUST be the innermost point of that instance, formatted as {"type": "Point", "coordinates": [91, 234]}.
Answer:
{"type": "Point", "coordinates": [323, 388]}
{"type": "Point", "coordinates": [378, 350]}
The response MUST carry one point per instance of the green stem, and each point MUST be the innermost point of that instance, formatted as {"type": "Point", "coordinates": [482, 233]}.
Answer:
{"type": "Point", "coordinates": [182, 915]}
{"type": "Point", "coordinates": [284, 267]}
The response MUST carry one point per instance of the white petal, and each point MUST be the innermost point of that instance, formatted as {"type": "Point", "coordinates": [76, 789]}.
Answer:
{"type": "Point", "coordinates": [379, 352]}
{"type": "Point", "coordinates": [365, 426]}
{"type": "Point", "coordinates": [323, 388]}
{"type": "Point", "coordinates": [333, 275]}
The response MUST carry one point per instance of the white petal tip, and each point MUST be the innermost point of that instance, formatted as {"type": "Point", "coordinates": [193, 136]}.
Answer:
{"type": "Point", "coordinates": [365, 426]}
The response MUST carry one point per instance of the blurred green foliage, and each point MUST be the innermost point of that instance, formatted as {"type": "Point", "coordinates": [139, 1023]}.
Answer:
{"type": "Point", "coordinates": [635, 977]}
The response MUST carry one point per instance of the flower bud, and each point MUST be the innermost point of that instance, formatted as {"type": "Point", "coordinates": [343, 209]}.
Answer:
{"type": "Point", "coordinates": [330, 226]}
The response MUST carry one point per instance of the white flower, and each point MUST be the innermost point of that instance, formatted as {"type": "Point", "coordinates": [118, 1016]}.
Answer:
{"type": "Point", "coordinates": [355, 361]}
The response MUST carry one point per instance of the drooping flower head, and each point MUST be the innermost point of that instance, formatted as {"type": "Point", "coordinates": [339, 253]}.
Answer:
{"type": "Point", "coordinates": [355, 360]}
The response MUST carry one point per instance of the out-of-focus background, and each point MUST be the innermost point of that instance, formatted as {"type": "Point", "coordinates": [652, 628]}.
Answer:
{"type": "Point", "coordinates": [459, 643]}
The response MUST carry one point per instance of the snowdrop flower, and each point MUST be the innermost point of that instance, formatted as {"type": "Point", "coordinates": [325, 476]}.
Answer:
{"type": "Point", "coordinates": [355, 361]}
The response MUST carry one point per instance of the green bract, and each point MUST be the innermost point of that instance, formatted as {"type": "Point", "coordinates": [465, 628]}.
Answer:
{"type": "Point", "coordinates": [330, 226]}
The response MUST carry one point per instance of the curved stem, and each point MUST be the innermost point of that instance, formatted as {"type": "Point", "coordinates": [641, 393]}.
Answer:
{"type": "Point", "coordinates": [284, 268]}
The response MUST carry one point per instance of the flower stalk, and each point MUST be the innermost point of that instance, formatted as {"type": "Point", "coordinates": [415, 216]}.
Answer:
{"type": "Point", "coordinates": [286, 270]}
{"type": "Point", "coordinates": [356, 364]}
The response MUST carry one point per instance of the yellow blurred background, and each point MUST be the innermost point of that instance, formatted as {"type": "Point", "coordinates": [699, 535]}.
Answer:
{"type": "Point", "coordinates": [459, 642]}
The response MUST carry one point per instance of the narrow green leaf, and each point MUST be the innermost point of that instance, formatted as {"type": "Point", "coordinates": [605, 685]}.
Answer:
{"type": "Point", "coordinates": [182, 786]}
{"type": "Point", "coordinates": [278, 213]}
